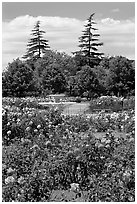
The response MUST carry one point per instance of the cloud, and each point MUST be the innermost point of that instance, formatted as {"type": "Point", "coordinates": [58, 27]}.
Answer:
{"type": "Point", "coordinates": [63, 33]}
{"type": "Point", "coordinates": [110, 21]}
{"type": "Point", "coordinates": [118, 37]}
{"type": "Point", "coordinates": [115, 10]}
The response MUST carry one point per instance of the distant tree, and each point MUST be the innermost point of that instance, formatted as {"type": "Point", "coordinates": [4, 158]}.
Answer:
{"type": "Point", "coordinates": [89, 43]}
{"type": "Point", "coordinates": [53, 79]}
{"type": "Point", "coordinates": [17, 80]}
{"type": "Point", "coordinates": [80, 60]}
{"type": "Point", "coordinates": [36, 45]}
{"type": "Point", "coordinates": [85, 81]}
{"type": "Point", "coordinates": [121, 77]}
{"type": "Point", "coordinates": [66, 63]}
{"type": "Point", "coordinates": [102, 72]}
{"type": "Point", "coordinates": [104, 63]}
{"type": "Point", "coordinates": [60, 63]}
{"type": "Point", "coordinates": [49, 75]}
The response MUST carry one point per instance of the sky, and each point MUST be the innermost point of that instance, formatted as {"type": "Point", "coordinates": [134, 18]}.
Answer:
{"type": "Point", "coordinates": [64, 22]}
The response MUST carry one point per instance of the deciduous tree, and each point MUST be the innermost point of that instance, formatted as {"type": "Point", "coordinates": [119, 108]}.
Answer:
{"type": "Point", "coordinates": [121, 78]}
{"type": "Point", "coordinates": [85, 81]}
{"type": "Point", "coordinates": [17, 80]}
{"type": "Point", "coordinates": [53, 79]}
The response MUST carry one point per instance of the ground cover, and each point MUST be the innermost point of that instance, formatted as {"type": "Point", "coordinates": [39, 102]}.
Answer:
{"type": "Point", "coordinates": [48, 156]}
{"type": "Point", "coordinates": [76, 108]}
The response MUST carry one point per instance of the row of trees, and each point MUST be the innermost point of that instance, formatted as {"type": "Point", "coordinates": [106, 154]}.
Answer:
{"type": "Point", "coordinates": [58, 73]}
{"type": "Point", "coordinates": [87, 73]}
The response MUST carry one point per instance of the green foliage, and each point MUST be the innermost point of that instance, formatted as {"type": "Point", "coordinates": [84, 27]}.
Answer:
{"type": "Point", "coordinates": [102, 72]}
{"type": "Point", "coordinates": [17, 80]}
{"type": "Point", "coordinates": [59, 158]}
{"type": "Point", "coordinates": [53, 69]}
{"type": "Point", "coordinates": [122, 76]}
{"type": "Point", "coordinates": [84, 81]}
{"type": "Point", "coordinates": [80, 60]}
{"type": "Point", "coordinates": [36, 45]}
{"type": "Point", "coordinates": [112, 103]}
{"type": "Point", "coordinates": [67, 63]}
{"type": "Point", "coordinates": [107, 102]}
{"type": "Point", "coordinates": [86, 74]}
{"type": "Point", "coordinates": [68, 196]}
{"type": "Point", "coordinates": [116, 76]}
{"type": "Point", "coordinates": [53, 79]}
{"type": "Point", "coordinates": [89, 43]}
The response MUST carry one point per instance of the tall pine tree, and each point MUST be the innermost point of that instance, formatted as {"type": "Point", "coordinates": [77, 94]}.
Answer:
{"type": "Point", "coordinates": [89, 43]}
{"type": "Point", "coordinates": [36, 45]}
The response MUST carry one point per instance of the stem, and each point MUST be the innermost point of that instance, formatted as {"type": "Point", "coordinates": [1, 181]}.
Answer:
{"type": "Point", "coordinates": [39, 47]}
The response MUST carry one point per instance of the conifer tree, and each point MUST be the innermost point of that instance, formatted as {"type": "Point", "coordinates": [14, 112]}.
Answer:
{"type": "Point", "coordinates": [36, 45]}
{"type": "Point", "coordinates": [89, 43]}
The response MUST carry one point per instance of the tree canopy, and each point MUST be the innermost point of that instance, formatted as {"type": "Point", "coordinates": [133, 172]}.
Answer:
{"type": "Point", "coordinates": [87, 73]}
{"type": "Point", "coordinates": [17, 80]}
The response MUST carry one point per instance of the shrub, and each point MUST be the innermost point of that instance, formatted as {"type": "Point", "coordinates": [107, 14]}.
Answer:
{"type": "Point", "coordinates": [45, 152]}
{"type": "Point", "coordinates": [78, 99]}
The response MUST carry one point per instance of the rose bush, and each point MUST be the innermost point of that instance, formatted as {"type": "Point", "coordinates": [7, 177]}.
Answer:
{"type": "Point", "coordinates": [45, 152]}
{"type": "Point", "coordinates": [113, 103]}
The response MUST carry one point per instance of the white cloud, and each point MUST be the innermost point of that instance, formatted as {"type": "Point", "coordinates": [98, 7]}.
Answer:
{"type": "Point", "coordinates": [115, 10]}
{"type": "Point", "coordinates": [118, 37]}
{"type": "Point", "coordinates": [109, 21]}
{"type": "Point", "coordinates": [63, 33]}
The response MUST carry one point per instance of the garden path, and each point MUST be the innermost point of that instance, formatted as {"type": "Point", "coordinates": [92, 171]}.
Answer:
{"type": "Point", "coordinates": [77, 108]}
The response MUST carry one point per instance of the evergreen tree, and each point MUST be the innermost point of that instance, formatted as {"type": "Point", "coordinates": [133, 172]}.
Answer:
{"type": "Point", "coordinates": [89, 43]}
{"type": "Point", "coordinates": [36, 45]}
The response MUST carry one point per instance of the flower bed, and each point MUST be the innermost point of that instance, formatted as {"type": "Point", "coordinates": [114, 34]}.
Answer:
{"type": "Point", "coordinates": [51, 157]}
{"type": "Point", "coordinates": [113, 103]}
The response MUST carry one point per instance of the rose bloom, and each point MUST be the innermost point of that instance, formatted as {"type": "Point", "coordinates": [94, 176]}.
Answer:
{"type": "Point", "coordinates": [39, 126]}
{"type": "Point", "coordinates": [35, 147]}
{"type": "Point", "coordinates": [20, 180]}
{"type": "Point", "coordinates": [28, 129]}
{"type": "Point", "coordinates": [9, 179]}
{"type": "Point", "coordinates": [74, 187]}
{"type": "Point", "coordinates": [35, 130]}
{"type": "Point", "coordinates": [31, 122]}
{"type": "Point", "coordinates": [10, 170]}
{"type": "Point", "coordinates": [9, 132]}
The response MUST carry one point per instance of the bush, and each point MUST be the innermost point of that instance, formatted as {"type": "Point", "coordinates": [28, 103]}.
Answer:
{"type": "Point", "coordinates": [78, 99]}
{"type": "Point", "coordinates": [48, 153]}
{"type": "Point", "coordinates": [114, 103]}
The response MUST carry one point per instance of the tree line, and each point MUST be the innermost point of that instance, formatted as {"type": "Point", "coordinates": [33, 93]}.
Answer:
{"type": "Point", "coordinates": [87, 73]}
